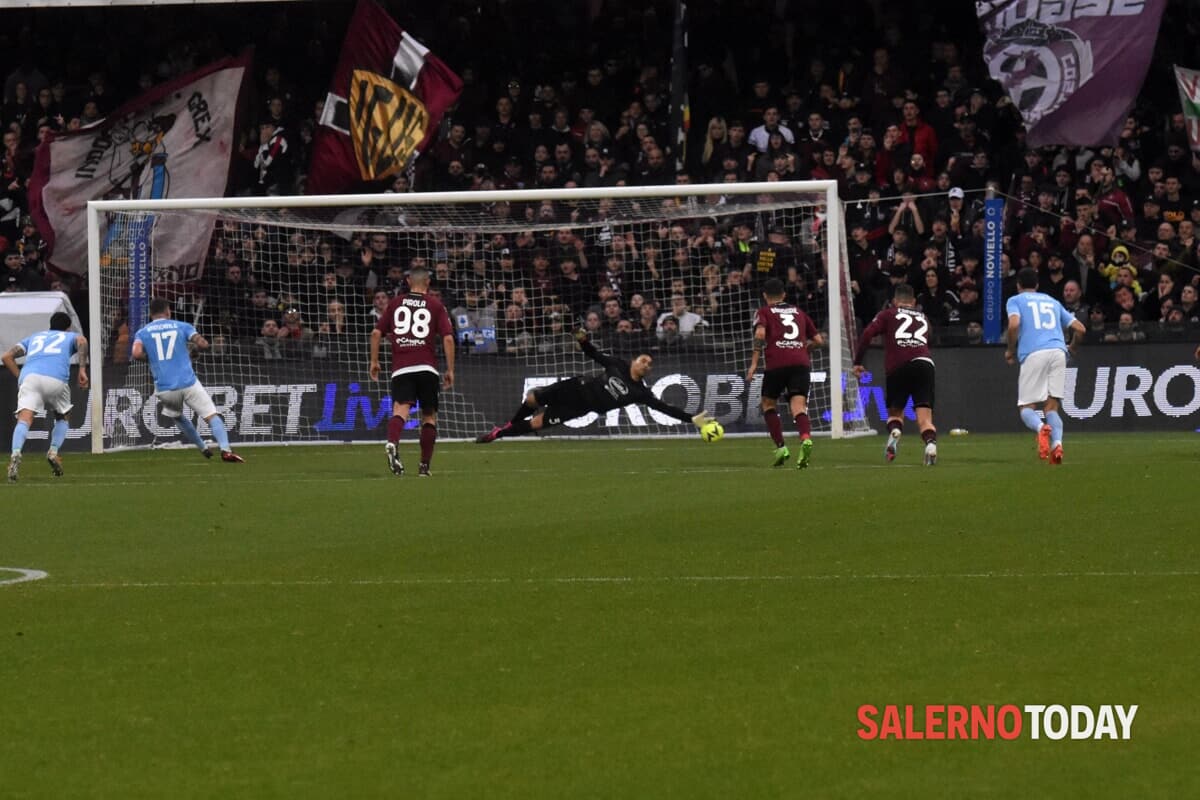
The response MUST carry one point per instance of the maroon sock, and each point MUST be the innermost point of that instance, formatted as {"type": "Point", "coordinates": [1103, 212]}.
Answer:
{"type": "Point", "coordinates": [803, 426]}
{"type": "Point", "coordinates": [774, 426]}
{"type": "Point", "coordinates": [929, 435]}
{"type": "Point", "coordinates": [895, 425]}
{"type": "Point", "coordinates": [428, 437]}
{"type": "Point", "coordinates": [395, 428]}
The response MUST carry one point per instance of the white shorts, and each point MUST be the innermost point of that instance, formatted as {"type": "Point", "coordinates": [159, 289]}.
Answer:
{"type": "Point", "coordinates": [39, 392]}
{"type": "Point", "coordinates": [1043, 375]}
{"type": "Point", "coordinates": [196, 398]}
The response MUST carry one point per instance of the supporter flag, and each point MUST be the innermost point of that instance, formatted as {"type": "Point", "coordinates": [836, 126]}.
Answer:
{"type": "Point", "coordinates": [1189, 98]}
{"type": "Point", "coordinates": [680, 116]}
{"type": "Point", "coordinates": [1072, 69]}
{"type": "Point", "coordinates": [386, 100]}
{"type": "Point", "coordinates": [176, 140]}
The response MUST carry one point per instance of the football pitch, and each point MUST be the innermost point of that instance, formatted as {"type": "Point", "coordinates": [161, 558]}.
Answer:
{"type": "Point", "coordinates": [597, 619]}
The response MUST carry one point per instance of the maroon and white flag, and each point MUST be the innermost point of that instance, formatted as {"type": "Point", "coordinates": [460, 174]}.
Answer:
{"type": "Point", "coordinates": [1073, 68]}
{"type": "Point", "coordinates": [386, 100]}
{"type": "Point", "coordinates": [176, 140]}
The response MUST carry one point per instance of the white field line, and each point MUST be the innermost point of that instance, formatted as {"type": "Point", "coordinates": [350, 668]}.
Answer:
{"type": "Point", "coordinates": [619, 580]}
{"type": "Point", "coordinates": [23, 575]}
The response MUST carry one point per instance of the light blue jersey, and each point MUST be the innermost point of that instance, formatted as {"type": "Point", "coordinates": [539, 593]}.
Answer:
{"type": "Point", "coordinates": [165, 342]}
{"type": "Point", "coordinates": [49, 353]}
{"type": "Point", "coordinates": [1043, 320]}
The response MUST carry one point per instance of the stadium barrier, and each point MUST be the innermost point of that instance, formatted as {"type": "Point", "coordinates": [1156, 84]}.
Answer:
{"type": "Point", "coordinates": [1133, 387]}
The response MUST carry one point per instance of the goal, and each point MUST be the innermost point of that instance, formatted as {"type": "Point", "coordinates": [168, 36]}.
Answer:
{"type": "Point", "coordinates": [675, 271]}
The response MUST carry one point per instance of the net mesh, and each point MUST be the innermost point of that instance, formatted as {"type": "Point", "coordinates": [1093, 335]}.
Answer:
{"type": "Point", "coordinates": [288, 297]}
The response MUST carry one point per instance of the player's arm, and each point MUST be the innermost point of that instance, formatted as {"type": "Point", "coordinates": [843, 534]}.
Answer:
{"type": "Point", "coordinates": [376, 337]}
{"type": "Point", "coordinates": [81, 348]}
{"type": "Point", "coordinates": [448, 349]}
{"type": "Point", "coordinates": [870, 332]}
{"type": "Point", "coordinates": [198, 341]}
{"type": "Point", "coordinates": [1014, 329]}
{"type": "Point", "coordinates": [1078, 330]}
{"type": "Point", "coordinates": [816, 340]}
{"type": "Point", "coordinates": [594, 353]}
{"type": "Point", "coordinates": [678, 413]}
{"type": "Point", "coordinates": [139, 350]}
{"type": "Point", "coordinates": [760, 342]}
{"type": "Point", "coordinates": [10, 359]}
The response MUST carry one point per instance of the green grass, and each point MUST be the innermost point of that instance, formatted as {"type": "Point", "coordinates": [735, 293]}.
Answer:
{"type": "Point", "coordinates": [596, 619]}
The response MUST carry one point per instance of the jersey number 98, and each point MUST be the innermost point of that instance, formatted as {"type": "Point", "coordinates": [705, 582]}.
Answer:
{"type": "Point", "coordinates": [406, 321]}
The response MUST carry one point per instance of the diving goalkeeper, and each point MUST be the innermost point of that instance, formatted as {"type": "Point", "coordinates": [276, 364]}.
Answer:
{"type": "Point", "coordinates": [621, 383]}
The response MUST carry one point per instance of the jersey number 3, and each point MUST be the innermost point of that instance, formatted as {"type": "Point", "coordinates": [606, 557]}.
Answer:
{"type": "Point", "coordinates": [791, 331]}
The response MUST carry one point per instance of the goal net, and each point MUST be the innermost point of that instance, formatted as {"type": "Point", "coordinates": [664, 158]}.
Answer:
{"type": "Point", "coordinates": [287, 291]}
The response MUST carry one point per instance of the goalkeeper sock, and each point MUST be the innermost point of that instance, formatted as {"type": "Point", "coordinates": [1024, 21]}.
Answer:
{"type": "Point", "coordinates": [803, 427]}
{"type": "Point", "coordinates": [19, 433]}
{"type": "Point", "coordinates": [518, 428]}
{"type": "Point", "coordinates": [1056, 428]}
{"type": "Point", "coordinates": [895, 428]}
{"type": "Point", "coordinates": [428, 437]}
{"type": "Point", "coordinates": [58, 435]}
{"type": "Point", "coordinates": [929, 436]}
{"type": "Point", "coordinates": [1031, 419]}
{"type": "Point", "coordinates": [774, 426]}
{"type": "Point", "coordinates": [524, 411]}
{"type": "Point", "coordinates": [217, 423]}
{"type": "Point", "coordinates": [190, 432]}
{"type": "Point", "coordinates": [395, 428]}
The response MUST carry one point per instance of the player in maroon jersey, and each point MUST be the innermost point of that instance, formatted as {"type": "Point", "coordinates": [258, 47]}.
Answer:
{"type": "Point", "coordinates": [782, 336]}
{"type": "Point", "coordinates": [909, 367]}
{"type": "Point", "coordinates": [413, 323]}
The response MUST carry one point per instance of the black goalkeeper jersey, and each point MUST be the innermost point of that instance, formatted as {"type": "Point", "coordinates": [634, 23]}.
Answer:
{"type": "Point", "coordinates": [614, 388]}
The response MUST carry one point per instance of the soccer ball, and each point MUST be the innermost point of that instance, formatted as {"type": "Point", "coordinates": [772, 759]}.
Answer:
{"type": "Point", "coordinates": [712, 431]}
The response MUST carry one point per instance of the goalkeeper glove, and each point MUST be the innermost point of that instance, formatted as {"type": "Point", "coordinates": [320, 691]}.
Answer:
{"type": "Point", "coordinates": [581, 336]}
{"type": "Point", "coordinates": [701, 419]}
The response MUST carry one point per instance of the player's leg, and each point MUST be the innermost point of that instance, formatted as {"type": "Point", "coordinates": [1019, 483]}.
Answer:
{"type": "Point", "coordinates": [1056, 380]}
{"type": "Point", "coordinates": [564, 396]}
{"type": "Point", "coordinates": [896, 394]}
{"type": "Point", "coordinates": [799, 382]}
{"type": "Point", "coordinates": [1033, 390]}
{"type": "Point", "coordinates": [528, 406]}
{"type": "Point", "coordinates": [192, 435]}
{"type": "Point", "coordinates": [928, 434]}
{"type": "Point", "coordinates": [403, 391]}
{"type": "Point", "coordinates": [770, 411]}
{"type": "Point", "coordinates": [20, 432]}
{"type": "Point", "coordinates": [922, 387]}
{"type": "Point", "coordinates": [58, 436]}
{"type": "Point", "coordinates": [196, 397]}
{"type": "Point", "coordinates": [427, 397]}
{"type": "Point", "coordinates": [58, 404]}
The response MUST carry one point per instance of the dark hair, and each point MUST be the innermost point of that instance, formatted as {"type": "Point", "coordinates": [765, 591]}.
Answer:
{"type": "Point", "coordinates": [159, 305]}
{"type": "Point", "coordinates": [60, 321]}
{"type": "Point", "coordinates": [773, 288]}
{"type": "Point", "coordinates": [1027, 278]}
{"type": "Point", "coordinates": [903, 291]}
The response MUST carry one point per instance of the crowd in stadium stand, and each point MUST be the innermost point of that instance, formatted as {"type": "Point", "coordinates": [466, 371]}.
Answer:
{"type": "Point", "coordinates": [916, 136]}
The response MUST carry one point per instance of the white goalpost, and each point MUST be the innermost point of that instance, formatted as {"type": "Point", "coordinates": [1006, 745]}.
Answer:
{"type": "Point", "coordinates": [671, 270]}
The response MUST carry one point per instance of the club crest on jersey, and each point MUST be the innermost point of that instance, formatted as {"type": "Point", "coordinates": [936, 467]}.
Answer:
{"type": "Point", "coordinates": [387, 123]}
{"type": "Point", "coordinates": [617, 388]}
